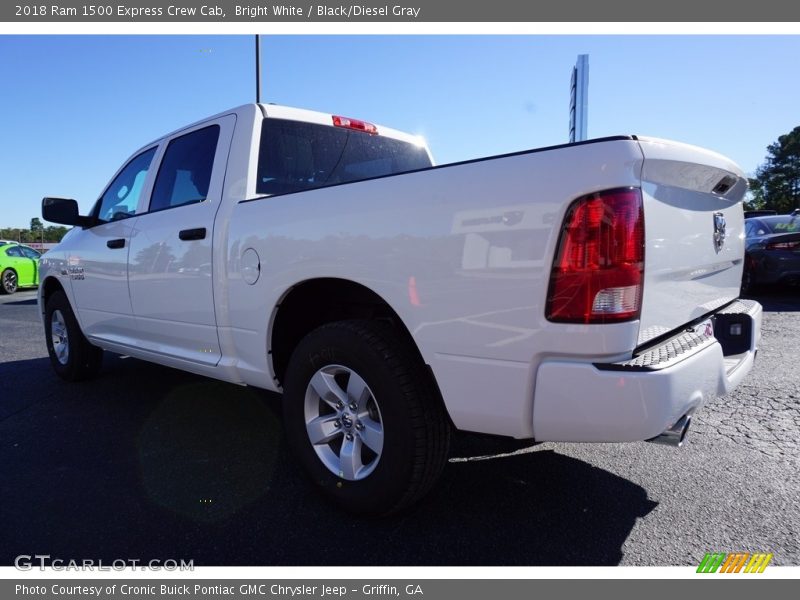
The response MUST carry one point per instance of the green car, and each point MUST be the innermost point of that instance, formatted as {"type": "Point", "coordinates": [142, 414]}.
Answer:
{"type": "Point", "coordinates": [19, 267]}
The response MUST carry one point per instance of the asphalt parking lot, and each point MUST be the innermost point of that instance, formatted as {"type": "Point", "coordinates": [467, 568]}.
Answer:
{"type": "Point", "coordinates": [148, 462]}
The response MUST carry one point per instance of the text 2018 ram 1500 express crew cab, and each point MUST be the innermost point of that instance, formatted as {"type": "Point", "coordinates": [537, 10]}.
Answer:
{"type": "Point", "coordinates": [585, 292]}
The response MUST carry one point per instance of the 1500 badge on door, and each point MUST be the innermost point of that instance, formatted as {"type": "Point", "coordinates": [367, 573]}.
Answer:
{"type": "Point", "coordinates": [74, 273]}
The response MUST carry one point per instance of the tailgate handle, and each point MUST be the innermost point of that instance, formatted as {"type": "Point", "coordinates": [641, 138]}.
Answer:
{"type": "Point", "coordinates": [118, 243]}
{"type": "Point", "coordinates": [193, 234]}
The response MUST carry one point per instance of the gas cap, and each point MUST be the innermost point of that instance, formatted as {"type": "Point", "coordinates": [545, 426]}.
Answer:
{"type": "Point", "coordinates": [251, 266]}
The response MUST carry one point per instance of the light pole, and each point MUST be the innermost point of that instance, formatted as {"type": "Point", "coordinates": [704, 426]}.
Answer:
{"type": "Point", "coordinates": [258, 69]}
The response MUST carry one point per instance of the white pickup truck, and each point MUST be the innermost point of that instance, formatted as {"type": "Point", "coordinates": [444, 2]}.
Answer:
{"type": "Point", "coordinates": [582, 293]}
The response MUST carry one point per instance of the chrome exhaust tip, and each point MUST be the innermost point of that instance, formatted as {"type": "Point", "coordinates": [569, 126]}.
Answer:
{"type": "Point", "coordinates": [675, 435]}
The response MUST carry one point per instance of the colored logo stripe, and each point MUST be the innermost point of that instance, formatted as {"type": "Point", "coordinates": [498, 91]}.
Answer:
{"type": "Point", "coordinates": [711, 562]}
{"type": "Point", "coordinates": [758, 563]}
{"type": "Point", "coordinates": [734, 562]}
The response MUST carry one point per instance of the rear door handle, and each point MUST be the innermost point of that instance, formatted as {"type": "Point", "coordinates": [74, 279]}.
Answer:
{"type": "Point", "coordinates": [193, 234]}
{"type": "Point", "coordinates": [118, 243]}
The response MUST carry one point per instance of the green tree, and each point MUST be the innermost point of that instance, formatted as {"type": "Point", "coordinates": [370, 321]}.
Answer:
{"type": "Point", "coordinates": [777, 181]}
{"type": "Point", "coordinates": [54, 233]}
{"type": "Point", "coordinates": [754, 200]}
{"type": "Point", "coordinates": [9, 233]}
{"type": "Point", "coordinates": [51, 233]}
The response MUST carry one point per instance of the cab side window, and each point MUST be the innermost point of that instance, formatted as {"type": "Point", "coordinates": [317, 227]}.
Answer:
{"type": "Point", "coordinates": [185, 172]}
{"type": "Point", "coordinates": [121, 198]}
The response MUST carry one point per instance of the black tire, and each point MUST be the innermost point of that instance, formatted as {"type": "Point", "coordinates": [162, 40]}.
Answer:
{"type": "Point", "coordinates": [82, 360]}
{"type": "Point", "coordinates": [9, 282]}
{"type": "Point", "coordinates": [416, 431]}
{"type": "Point", "coordinates": [748, 283]}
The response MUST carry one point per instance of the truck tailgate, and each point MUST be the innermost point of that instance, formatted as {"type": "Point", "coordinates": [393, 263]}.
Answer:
{"type": "Point", "coordinates": [694, 234]}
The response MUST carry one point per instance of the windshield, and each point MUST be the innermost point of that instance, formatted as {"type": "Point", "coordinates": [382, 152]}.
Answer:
{"type": "Point", "coordinates": [296, 156]}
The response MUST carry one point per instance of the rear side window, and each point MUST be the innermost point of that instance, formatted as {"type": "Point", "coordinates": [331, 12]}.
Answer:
{"type": "Point", "coordinates": [296, 156]}
{"type": "Point", "coordinates": [185, 172]}
{"type": "Point", "coordinates": [15, 252]}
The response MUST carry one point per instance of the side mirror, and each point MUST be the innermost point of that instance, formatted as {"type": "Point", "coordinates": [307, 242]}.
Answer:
{"type": "Point", "coordinates": [64, 211]}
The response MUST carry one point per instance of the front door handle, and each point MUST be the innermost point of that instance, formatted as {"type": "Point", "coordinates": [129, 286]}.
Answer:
{"type": "Point", "coordinates": [118, 243]}
{"type": "Point", "coordinates": [193, 234]}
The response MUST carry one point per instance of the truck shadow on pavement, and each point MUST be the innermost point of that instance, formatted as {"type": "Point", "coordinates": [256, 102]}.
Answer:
{"type": "Point", "coordinates": [28, 302]}
{"type": "Point", "coordinates": [148, 462]}
{"type": "Point", "coordinates": [778, 298]}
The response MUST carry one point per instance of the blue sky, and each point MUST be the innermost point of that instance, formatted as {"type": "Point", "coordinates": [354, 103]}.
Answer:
{"type": "Point", "coordinates": [75, 107]}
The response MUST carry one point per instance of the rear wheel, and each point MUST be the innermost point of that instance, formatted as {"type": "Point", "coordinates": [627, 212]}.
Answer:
{"type": "Point", "coordinates": [72, 356]}
{"type": "Point", "coordinates": [9, 281]}
{"type": "Point", "coordinates": [364, 418]}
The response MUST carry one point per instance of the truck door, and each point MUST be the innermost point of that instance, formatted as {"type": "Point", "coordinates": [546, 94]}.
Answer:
{"type": "Point", "coordinates": [98, 264]}
{"type": "Point", "coordinates": [170, 263]}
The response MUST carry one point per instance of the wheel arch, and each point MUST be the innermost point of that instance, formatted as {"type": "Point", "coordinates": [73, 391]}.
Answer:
{"type": "Point", "coordinates": [314, 302]}
{"type": "Point", "coordinates": [48, 287]}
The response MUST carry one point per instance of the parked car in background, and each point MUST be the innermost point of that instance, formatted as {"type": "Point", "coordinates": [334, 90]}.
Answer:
{"type": "Point", "coordinates": [772, 251]}
{"type": "Point", "coordinates": [19, 267]}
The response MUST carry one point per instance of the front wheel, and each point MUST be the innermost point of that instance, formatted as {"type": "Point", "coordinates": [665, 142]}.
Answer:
{"type": "Point", "coordinates": [364, 418]}
{"type": "Point", "coordinates": [72, 356]}
{"type": "Point", "coordinates": [9, 281]}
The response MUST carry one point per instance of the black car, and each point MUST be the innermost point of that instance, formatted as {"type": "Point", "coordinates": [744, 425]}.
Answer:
{"type": "Point", "coordinates": [772, 250]}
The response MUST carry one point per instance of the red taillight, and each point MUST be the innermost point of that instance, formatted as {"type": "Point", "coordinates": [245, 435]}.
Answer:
{"type": "Point", "coordinates": [783, 246]}
{"type": "Point", "coordinates": [597, 271]}
{"type": "Point", "coordinates": [348, 123]}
